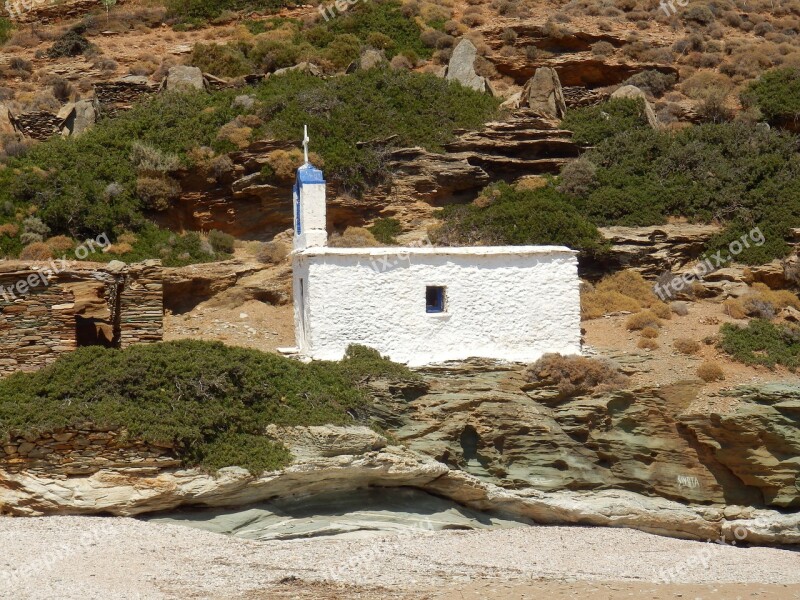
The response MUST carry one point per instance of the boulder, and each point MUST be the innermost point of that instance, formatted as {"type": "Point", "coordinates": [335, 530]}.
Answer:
{"type": "Point", "coordinates": [7, 121]}
{"type": "Point", "coordinates": [543, 93]}
{"type": "Point", "coordinates": [633, 92]}
{"type": "Point", "coordinates": [303, 67]}
{"type": "Point", "coordinates": [462, 67]}
{"type": "Point", "coordinates": [77, 117]}
{"type": "Point", "coordinates": [183, 78]}
{"type": "Point", "coordinates": [371, 58]}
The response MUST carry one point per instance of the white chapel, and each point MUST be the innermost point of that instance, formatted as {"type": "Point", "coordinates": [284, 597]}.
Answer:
{"type": "Point", "coordinates": [422, 305]}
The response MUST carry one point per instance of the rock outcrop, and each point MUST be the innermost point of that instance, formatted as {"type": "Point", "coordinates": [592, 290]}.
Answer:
{"type": "Point", "coordinates": [8, 125]}
{"type": "Point", "coordinates": [77, 117]}
{"type": "Point", "coordinates": [184, 78]}
{"type": "Point", "coordinates": [634, 93]}
{"type": "Point", "coordinates": [243, 204]}
{"type": "Point", "coordinates": [650, 250]}
{"type": "Point", "coordinates": [490, 423]}
{"type": "Point", "coordinates": [543, 93]}
{"type": "Point", "coordinates": [758, 440]}
{"type": "Point", "coordinates": [462, 67]}
{"type": "Point", "coordinates": [331, 460]}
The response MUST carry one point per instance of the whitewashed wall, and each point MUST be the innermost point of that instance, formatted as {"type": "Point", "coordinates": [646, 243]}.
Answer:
{"type": "Point", "coordinates": [512, 303]}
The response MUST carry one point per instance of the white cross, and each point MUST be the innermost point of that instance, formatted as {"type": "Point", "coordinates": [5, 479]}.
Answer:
{"type": "Point", "coordinates": [305, 142]}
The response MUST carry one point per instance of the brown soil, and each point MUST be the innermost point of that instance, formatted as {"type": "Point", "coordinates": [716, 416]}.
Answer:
{"type": "Point", "coordinates": [609, 337]}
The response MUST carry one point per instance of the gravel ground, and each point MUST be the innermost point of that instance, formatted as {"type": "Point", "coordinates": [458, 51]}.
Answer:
{"type": "Point", "coordinates": [109, 558]}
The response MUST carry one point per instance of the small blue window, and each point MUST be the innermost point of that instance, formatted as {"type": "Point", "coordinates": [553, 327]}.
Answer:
{"type": "Point", "coordinates": [434, 299]}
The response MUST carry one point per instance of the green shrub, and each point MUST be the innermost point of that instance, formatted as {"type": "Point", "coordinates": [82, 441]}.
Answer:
{"type": "Point", "coordinates": [212, 402]}
{"type": "Point", "coordinates": [776, 94]}
{"type": "Point", "coordinates": [367, 19]}
{"type": "Point", "coordinates": [198, 11]}
{"type": "Point", "coordinates": [386, 230]}
{"type": "Point", "coordinates": [71, 43]}
{"type": "Point", "coordinates": [221, 60]}
{"type": "Point", "coordinates": [736, 174]}
{"type": "Point", "coordinates": [220, 241]}
{"type": "Point", "coordinates": [6, 27]}
{"type": "Point", "coordinates": [762, 343]}
{"type": "Point", "coordinates": [91, 184]}
{"type": "Point", "coordinates": [592, 124]}
{"type": "Point", "coordinates": [519, 217]}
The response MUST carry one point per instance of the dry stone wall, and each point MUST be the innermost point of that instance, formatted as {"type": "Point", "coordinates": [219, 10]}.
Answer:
{"type": "Point", "coordinates": [82, 304]}
{"type": "Point", "coordinates": [83, 450]}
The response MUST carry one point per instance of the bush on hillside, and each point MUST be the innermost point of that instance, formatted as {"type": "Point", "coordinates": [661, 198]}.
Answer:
{"type": "Point", "coordinates": [221, 60]}
{"type": "Point", "coordinates": [198, 11]}
{"type": "Point", "coordinates": [776, 94]}
{"type": "Point", "coordinates": [70, 43]}
{"type": "Point", "coordinates": [762, 343]}
{"type": "Point", "coordinates": [593, 124]}
{"type": "Point", "coordinates": [736, 174]}
{"type": "Point", "coordinates": [90, 184]}
{"type": "Point", "coordinates": [221, 241]}
{"type": "Point", "coordinates": [575, 375]}
{"type": "Point", "coordinates": [211, 402]}
{"type": "Point", "coordinates": [710, 371]}
{"type": "Point", "coordinates": [518, 217]}
{"type": "Point", "coordinates": [353, 237]}
{"type": "Point", "coordinates": [6, 27]}
{"type": "Point", "coordinates": [386, 230]}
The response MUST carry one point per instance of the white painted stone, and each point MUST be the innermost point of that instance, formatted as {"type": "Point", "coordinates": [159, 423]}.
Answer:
{"type": "Point", "coordinates": [309, 208]}
{"type": "Point", "coordinates": [506, 302]}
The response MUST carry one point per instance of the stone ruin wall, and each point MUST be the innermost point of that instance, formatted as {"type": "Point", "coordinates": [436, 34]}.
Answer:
{"type": "Point", "coordinates": [123, 303]}
{"type": "Point", "coordinates": [83, 450]}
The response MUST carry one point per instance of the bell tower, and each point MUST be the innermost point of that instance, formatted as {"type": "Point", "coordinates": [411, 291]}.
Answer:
{"type": "Point", "coordinates": [309, 204]}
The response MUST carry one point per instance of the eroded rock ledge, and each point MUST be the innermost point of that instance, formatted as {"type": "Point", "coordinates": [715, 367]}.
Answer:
{"type": "Point", "coordinates": [336, 459]}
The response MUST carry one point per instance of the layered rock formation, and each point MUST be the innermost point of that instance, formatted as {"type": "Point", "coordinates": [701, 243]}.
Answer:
{"type": "Point", "coordinates": [330, 460]}
{"type": "Point", "coordinates": [478, 418]}
{"type": "Point", "coordinates": [243, 204]}
{"type": "Point", "coordinates": [650, 250]}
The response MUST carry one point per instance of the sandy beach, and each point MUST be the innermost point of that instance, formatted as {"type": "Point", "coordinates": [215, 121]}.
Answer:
{"type": "Point", "coordinates": [117, 558]}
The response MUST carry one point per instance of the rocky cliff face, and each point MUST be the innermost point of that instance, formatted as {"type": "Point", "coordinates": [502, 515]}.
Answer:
{"type": "Point", "coordinates": [489, 423]}
{"type": "Point", "coordinates": [481, 437]}
{"type": "Point", "coordinates": [241, 203]}
{"type": "Point", "coordinates": [336, 460]}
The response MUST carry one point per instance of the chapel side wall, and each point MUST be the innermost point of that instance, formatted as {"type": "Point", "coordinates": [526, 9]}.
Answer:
{"type": "Point", "coordinates": [511, 307]}
{"type": "Point", "coordinates": [301, 302]}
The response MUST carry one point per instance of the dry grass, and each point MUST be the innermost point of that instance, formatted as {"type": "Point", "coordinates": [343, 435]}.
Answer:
{"type": "Point", "coordinates": [60, 244]}
{"type": "Point", "coordinates": [595, 304]}
{"type": "Point", "coordinates": [649, 332]}
{"type": "Point", "coordinates": [710, 371]}
{"type": "Point", "coordinates": [575, 375]}
{"type": "Point", "coordinates": [647, 344]}
{"type": "Point", "coordinates": [734, 309]}
{"type": "Point", "coordinates": [36, 251]}
{"type": "Point", "coordinates": [661, 310]}
{"type": "Point", "coordinates": [625, 291]}
{"type": "Point", "coordinates": [353, 237]}
{"type": "Point", "coordinates": [642, 320]}
{"type": "Point", "coordinates": [631, 284]}
{"type": "Point", "coordinates": [686, 345]}
{"type": "Point", "coordinates": [272, 252]}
